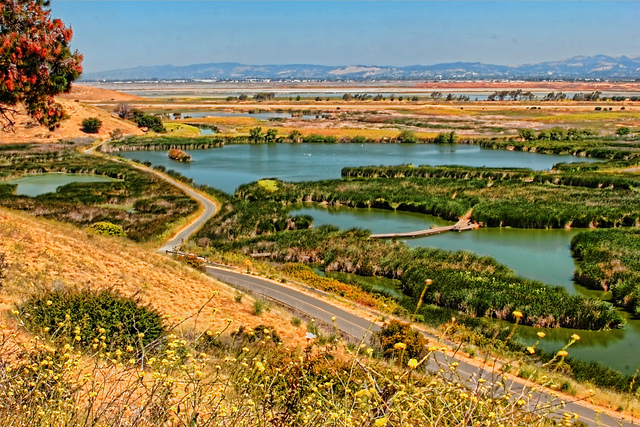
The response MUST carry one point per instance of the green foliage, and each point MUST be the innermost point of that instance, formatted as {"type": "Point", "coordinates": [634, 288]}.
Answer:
{"type": "Point", "coordinates": [500, 197]}
{"type": "Point", "coordinates": [106, 229]}
{"type": "Point", "coordinates": [143, 119]}
{"type": "Point", "coordinates": [259, 305]}
{"type": "Point", "coordinates": [407, 136]}
{"type": "Point", "coordinates": [610, 260]}
{"type": "Point", "coordinates": [91, 125]}
{"type": "Point", "coordinates": [88, 317]}
{"type": "Point", "coordinates": [527, 134]}
{"type": "Point", "coordinates": [464, 282]}
{"type": "Point", "coordinates": [623, 130]}
{"type": "Point", "coordinates": [157, 204]}
{"type": "Point", "coordinates": [395, 332]}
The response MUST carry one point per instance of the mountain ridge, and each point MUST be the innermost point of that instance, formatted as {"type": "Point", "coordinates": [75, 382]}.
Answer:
{"type": "Point", "coordinates": [625, 67]}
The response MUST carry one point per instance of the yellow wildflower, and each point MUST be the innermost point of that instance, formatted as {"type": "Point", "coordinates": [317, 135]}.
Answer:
{"type": "Point", "coordinates": [575, 337]}
{"type": "Point", "coordinates": [517, 314]}
{"type": "Point", "coordinates": [541, 334]}
{"type": "Point", "coordinates": [413, 363]}
{"type": "Point", "coordinates": [380, 422]}
{"type": "Point", "coordinates": [563, 353]}
{"type": "Point", "coordinates": [399, 346]}
{"type": "Point", "coordinates": [531, 350]}
{"type": "Point", "coordinates": [260, 366]}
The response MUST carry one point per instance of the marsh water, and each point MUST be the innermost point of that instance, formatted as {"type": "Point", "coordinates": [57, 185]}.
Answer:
{"type": "Point", "coordinates": [228, 167]}
{"type": "Point", "coordinates": [536, 254]}
{"type": "Point", "coordinates": [35, 185]}
{"type": "Point", "coordinates": [542, 255]}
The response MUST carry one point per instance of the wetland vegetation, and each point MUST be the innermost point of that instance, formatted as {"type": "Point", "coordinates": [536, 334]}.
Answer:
{"type": "Point", "coordinates": [142, 204]}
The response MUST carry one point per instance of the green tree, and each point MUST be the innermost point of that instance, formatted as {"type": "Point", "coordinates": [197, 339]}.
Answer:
{"type": "Point", "coordinates": [271, 135]}
{"type": "Point", "coordinates": [407, 136]}
{"type": "Point", "coordinates": [527, 134]}
{"type": "Point", "coordinates": [295, 136]}
{"type": "Point", "coordinates": [35, 62]}
{"type": "Point", "coordinates": [623, 131]}
{"type": "Point", "coordinates": [255, 134]}
{"type": "Point", "coordinates": [91, 125]}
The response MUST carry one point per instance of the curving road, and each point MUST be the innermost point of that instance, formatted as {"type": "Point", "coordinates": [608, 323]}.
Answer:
{"type": "Point", "coordinates": [350, 324]}
{"type": "Point", "coordinates": [359, 328]}
{"type": "Point", "coordinates": [208, 204]}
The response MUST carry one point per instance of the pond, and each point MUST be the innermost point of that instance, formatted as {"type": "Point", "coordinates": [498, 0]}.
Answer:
{"type": "Point", "coordinates": [535, 254]}
{"type": "Point", "coordinates": [35, 185]}
{"type": "Point", "coordinates": [228, 167]}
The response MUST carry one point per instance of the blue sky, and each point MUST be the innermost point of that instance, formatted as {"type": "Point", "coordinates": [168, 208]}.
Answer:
{"type": "Point", "coordinates": [125, 34]}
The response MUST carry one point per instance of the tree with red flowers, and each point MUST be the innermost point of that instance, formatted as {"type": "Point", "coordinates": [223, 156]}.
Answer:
{"type": "Point", "coordinates": [35, 62]}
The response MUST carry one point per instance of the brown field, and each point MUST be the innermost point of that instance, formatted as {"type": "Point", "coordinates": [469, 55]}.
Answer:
{"type": "Point", "coordinates": [43, 254]}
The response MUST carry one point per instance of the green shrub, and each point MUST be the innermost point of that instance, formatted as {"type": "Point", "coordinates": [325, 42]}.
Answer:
{"type": "Point", "coordinates": [105, 228]}
{"type": "Point", "coordinates": [93, 319]}
{"type": "Point", "coordinates": [91, 125]}
{"type": "Point", "coordinates": [396, 332]}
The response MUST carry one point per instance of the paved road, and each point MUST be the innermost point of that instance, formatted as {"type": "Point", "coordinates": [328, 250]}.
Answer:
{"type": "Point", "coordinates": [358, 328]}
{"type": "Point", "coordinates": [350, 324]}
{"type": "Point", "coordinates": [183, 235]}
{"type": "Point", "coordinates": [207, 214]}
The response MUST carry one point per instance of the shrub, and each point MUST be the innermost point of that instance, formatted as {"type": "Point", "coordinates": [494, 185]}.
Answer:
{"type": "Point", "coordinates": [394, 333]}
{"type": "Point", "coordinates": [91, 125]}
{"type": "Point", "coordinates": [92, 318]}
{"type": "Point", "coordinates": [623, 131]}
{"type": "Point", "coordinates": [407, 136]}
{"type": "Point", "coordinates": [106, 229]}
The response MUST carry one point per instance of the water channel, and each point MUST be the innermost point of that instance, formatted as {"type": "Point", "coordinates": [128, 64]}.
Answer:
{"type": "Point", "coordinates": [536, 254]}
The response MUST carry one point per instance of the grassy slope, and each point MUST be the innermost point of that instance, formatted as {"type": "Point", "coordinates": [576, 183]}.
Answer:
{"type": "Point", "coordinates": [46, 253]}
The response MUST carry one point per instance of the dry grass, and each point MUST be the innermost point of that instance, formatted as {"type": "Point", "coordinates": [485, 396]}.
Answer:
{"type": "Point", "coordinates": [26, 131]}
{"type": "Point", "coordinates": [45, 253]}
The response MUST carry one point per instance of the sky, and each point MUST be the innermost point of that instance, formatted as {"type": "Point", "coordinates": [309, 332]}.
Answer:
{"type": "Point", "coordinates": [126, 34]}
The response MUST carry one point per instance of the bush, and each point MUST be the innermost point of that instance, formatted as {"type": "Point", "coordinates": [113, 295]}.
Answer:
{"type": "Point", "coordinates": [105, 228]}
{"type": "Point", "coordinates": [91, 125]}
{"type": "Point", "coordinates": [399, 340]}
{"type": "Point", "coordinates": [623, 131]}
{"type": "Point", "coordinates": [407, 136]}
{"type": "Point", "coordinates": [93, 318]}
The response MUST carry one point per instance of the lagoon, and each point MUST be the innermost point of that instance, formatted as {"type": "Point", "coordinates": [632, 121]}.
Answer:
{"type": "Point", "coordinates": [228, 167]}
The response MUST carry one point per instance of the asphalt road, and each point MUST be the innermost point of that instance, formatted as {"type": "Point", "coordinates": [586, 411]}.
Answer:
{"type": "Point", "coordinates": [358, 328]}
{"type": "Point", "coordinates": [354, 326]}
{"type": "Point", "coordinates": [188, 230]}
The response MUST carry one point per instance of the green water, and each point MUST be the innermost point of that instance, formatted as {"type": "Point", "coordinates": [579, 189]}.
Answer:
{"type": "Point", "coordinates": [35, 185]}
{"type": "Point", "coordinates": [535, 254]}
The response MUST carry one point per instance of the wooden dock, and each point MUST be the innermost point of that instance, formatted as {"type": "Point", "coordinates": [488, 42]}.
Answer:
{"type": "Point", "coordinates": [463, 224]}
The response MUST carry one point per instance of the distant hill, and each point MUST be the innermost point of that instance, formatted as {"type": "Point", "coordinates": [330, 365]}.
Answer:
{"type": "Point", "coordinates": [579, 67]}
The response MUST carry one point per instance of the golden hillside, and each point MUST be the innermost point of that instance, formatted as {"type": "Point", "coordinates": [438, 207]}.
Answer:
{"type": "Point", "coordinates": [43, 253]}
{"type": "Point", "coordinates": [27, 131]}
